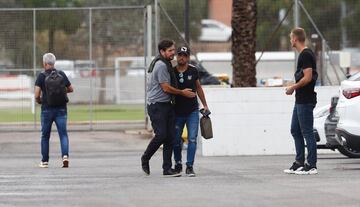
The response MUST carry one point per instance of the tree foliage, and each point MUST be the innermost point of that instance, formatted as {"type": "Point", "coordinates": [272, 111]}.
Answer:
{"type": "Point", "coordinates": [52, 21]}
{"type": "Point", "coordinates": [325, 13]}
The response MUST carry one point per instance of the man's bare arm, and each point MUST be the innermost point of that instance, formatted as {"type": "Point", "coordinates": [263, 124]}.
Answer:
{"type": "Point", "coordinates": [69, 89]}
{"type": "Point", "coordinates": [167, 88]}
{"type": "Point", "coordinates": [37, 94]}
{"type": "Point", "coordinates": [303, 81]}
{"type": "Point", "coordinates": [201, 94]}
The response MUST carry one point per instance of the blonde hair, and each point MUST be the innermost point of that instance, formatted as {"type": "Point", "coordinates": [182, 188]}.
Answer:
{"type": "Point", "coordinates": [299, 33]}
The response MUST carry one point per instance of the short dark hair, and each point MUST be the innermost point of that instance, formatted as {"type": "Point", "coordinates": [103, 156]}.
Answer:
{"type": "Point", "coordinates": [299, 33]}
{"type": "Point", "coordinates": [165, 44]}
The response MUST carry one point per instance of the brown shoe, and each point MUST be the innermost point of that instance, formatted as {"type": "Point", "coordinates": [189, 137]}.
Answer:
{"type": "Point", "coordinates": [65, 161]}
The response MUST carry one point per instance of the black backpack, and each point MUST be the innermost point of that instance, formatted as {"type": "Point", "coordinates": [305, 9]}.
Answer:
{"type": "Point", "coordinates": [56, 92]}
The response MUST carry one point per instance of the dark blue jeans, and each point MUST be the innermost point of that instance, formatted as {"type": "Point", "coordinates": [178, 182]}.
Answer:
{"type": "Point", "coordinates": [302, 127]}
{"type": "Point", "coordinates": [48, 116]}
{"type": "Point", "coordinates": [192, 125]}
{"type": "Point", "coordinates": [162, 118]}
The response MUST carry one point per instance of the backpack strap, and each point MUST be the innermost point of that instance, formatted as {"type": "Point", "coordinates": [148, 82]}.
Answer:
{"type": "Point", "coordinates": [47, 74]}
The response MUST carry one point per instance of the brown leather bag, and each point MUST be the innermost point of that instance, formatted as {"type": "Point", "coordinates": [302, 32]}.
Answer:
{"type": "Point", "coordinates": [205, 127]}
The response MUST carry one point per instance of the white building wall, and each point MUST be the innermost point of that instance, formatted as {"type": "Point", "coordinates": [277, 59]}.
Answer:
{"type": "Point", "coordinates": [253, 121]}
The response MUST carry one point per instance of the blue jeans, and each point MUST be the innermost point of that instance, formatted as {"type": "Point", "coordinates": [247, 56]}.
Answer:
{"type": "Point", "coordinates": [302, 127]}
{"type": "Point", "coordinates": [192, 125]}
{"type": "Point", "coordinates": [48, 116]}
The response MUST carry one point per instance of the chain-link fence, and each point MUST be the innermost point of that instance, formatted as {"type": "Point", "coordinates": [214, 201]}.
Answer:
{"type": "Point", "coordinates": [330, 25]}
{"type": "Point", "coordinates": [88, 44]}
{"type": "Point", "coordinates": [103, 49]}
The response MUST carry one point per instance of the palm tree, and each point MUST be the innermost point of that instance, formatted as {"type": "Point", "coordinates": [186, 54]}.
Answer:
{"type": "Point", "coordinates": [243, 38]}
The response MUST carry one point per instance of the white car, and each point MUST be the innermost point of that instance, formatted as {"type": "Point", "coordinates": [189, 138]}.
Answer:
{"type": "Point", "coordinates": [214, 31]}
{"type": "Point", "coordinates": [85, 68]}
{"type": "Point", "coordinates": [320, 115]}
{"type": "Point", "coordinates": [67, 66]}
{"type": "Point", "coordinates": [348, 110]}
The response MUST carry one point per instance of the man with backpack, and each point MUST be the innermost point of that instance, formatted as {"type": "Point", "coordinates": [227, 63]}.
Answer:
{"type": "Point", "coordinates": [51, 88]}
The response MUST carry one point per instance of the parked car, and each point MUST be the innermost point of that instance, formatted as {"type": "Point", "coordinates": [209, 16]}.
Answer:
{"type": "Point", "coordinates": [330, 126]}
{"type": "Point", "coordinates": [214, 31]}
{"type": "Point", "coordinates": [325, 123]}
{"type": "Point", "coordinates": [6, 67]}
{"type": "Point", "coordinates": [85, 68]}
{"type": "Point", "coordinates": [320, 115]}
{"type": "Point", "coordinates": [207, 78]}
{"type": "Point", "coordinates": [348, 111]}
{"type": "Point", "coordinates": [327, 130]}
{"type": "Point", "coordinates": [67, 66]}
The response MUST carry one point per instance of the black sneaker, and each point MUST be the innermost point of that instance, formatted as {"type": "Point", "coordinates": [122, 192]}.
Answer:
{"type": "Point", "coordinates": [190, 172]}
{"type": "Point", "coordinates": [307, 170]}
{"type": "Point", "coordinates": [145, 166]}
{"type": "Point", "coordinates": [294, 168]}
{"type": "Point", "coordinates": [171, 173]}
{"type": "Point", "coordinates": [178, 167]}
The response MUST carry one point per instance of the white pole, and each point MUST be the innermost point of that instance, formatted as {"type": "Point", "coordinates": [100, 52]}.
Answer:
{"type": "Point", "coordinates": [157, 23]}
{"type": "Point", "coordinates": [91, 77]}
{"type": "Point", "coordinates": [149, 35]}
{"type": "Point", "coordinates": [33, 108]}
{"type": "Point", "coordinates": [148, 57]}
{"type": "Point", "coordinates": [117, 82]}
{"type": "Point", "coordinates": [323, 60]}
{"type": "Point", "coordinates": [296, 13]}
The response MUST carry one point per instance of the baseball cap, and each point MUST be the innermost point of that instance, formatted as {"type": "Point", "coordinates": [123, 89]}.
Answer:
{"type": "Point", "coordinates": [183, 50]}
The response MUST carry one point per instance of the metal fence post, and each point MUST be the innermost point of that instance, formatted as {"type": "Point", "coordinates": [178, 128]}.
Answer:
{"type": "Point", "coordinates": [323, 62]}
{"type": "Point", "coordinates": [34, 63]}
{"type": "Point", "coordinates": [148, 54]}
{"type": "Point", "coordinates": [157, 24]}
{"type": "Point", "coordinates": [91, 77]}
{"type": "Point", "coordinates": [117, 82]}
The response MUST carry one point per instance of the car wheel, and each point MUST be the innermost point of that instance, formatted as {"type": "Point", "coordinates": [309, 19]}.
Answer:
{"type": "Point", "coordinates": [347, 151]}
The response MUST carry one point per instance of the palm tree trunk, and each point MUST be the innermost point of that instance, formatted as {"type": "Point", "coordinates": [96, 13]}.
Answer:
{"type": "Point", "coordinates": [243, 22]}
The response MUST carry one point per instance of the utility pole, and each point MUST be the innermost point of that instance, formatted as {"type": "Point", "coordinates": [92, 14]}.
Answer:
{"type": "Point", "coordinates": [343, 28]}
{"type": "Point", "coordinates": [157, 25]}
{"type": "Point", "coordinates": [296, 24]}
{"type": "Point", "coordinates": [187, 22]}
{"type": "Point", "coordinates": [296, 13]}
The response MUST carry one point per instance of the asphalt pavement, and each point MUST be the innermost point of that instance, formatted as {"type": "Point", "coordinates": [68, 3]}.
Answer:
{"type": "Point", "coordinates": [105, 171]}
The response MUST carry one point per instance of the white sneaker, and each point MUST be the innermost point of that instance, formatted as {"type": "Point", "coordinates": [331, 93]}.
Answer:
{"type": "Point", "coordinates": [307, 170]}
{"type": "Point", "coordinates": [294, 168]}
{"type": "Point", "coordinates": [44, 164]}
{"type": "Point", "coordinates": [65, 161]}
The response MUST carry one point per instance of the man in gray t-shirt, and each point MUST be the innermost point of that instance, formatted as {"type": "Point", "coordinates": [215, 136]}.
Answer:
{"type": "Point", "coordinates": [161, 86]}
{"type": "Point", "coordinates": [159, 75]}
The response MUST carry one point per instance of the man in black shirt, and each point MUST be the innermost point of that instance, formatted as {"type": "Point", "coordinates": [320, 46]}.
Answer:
{"type": "Point", "coordinates": [187, 109]}
{"type": "Point", "coordinates": [50, 114]}
{"type": "Point", "coordinates": [305, 100]}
